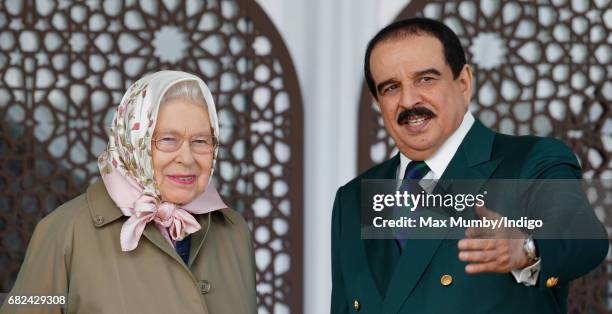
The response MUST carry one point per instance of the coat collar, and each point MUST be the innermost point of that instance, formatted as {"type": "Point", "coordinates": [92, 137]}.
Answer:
{"type": "Point", "coordinates": [475, 150]}
{"type": "Point", "coordinates": [101, 207]}
{"type": "Point", "coordinates": [104, 211]}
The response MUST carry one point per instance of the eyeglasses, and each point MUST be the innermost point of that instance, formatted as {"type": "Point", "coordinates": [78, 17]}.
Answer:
{"type": "Point", "coordinates": [203, 144]}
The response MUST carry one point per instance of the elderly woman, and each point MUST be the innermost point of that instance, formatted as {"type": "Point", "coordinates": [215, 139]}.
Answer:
{"type": "Point", "coordinates": [153, 236]}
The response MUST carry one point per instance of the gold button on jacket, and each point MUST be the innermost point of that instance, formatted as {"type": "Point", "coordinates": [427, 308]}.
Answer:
{"type": "Point", "coordinates": [356, 305]}
{"type": "Point", "coordinates": [551, 282]}
{"type": "Point", "coordinates": [446, 280]}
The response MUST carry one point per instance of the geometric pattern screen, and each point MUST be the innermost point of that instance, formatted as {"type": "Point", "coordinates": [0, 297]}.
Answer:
{"type": "Point", "coordinates": [64, 66]}
{"type": "Point", "coordinates": [542, 68]}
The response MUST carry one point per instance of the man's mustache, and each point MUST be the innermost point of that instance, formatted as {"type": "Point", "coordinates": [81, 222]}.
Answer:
{"type": "Point", "coordinates": [407, 114]}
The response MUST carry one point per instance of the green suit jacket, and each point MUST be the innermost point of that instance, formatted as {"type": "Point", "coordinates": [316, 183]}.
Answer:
{"type": "Point", "coordinates": [371, 276]}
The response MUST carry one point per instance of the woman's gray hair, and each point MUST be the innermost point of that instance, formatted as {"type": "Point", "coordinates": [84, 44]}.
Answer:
{"type": "Point", "coordinates": [187, 90]}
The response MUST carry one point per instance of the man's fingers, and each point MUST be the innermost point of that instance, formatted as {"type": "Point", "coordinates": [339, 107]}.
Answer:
{"type": "Point", "coordinates": [476, 244]}
{"type": "Point", "coordinates": [482, 268]}
{"type": "Point", "coordinates": [477, 256]}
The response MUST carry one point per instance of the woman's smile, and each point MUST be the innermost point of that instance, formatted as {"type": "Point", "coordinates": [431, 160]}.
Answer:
{"type": "Point", "coordinates": [182, 179]}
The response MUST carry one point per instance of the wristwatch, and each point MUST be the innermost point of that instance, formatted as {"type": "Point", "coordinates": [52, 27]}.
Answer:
{"type": "Point", "coordinates": [530, 249]}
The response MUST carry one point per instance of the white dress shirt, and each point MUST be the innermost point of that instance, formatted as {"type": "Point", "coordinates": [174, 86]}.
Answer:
{"type": "Point", "coordinates": [437, 164]}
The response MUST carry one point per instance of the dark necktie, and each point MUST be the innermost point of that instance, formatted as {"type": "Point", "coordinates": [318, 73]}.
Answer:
{"type": "Point", "coordinates": [415, 170]}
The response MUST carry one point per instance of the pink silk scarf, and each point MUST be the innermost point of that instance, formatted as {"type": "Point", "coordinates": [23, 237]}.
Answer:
{"type": "Point", "coordinates": [173, 222]}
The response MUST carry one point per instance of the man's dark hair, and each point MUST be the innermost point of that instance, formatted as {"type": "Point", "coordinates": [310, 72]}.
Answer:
{"type": "Point", "coordinates": [453, 51]}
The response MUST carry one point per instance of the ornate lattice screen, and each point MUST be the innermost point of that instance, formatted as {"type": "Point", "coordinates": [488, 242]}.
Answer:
{"type": "Point", "coordinates": [64, 66]}
{"type": "Point", "coordinates": [540, 67]}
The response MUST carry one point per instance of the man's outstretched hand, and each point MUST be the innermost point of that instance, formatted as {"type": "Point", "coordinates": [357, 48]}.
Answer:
{"type": "Point", "coordinates": [497, 251]}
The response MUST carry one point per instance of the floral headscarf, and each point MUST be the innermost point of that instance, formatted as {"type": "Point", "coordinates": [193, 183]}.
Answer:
{"type": "Point", "coordinates": [127, 165]}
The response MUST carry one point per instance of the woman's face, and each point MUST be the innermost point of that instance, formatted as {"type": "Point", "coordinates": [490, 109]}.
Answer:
{"type": "Point", "coordinates": [181, 175]}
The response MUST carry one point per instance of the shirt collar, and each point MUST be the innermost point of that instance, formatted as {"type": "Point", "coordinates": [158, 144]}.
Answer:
{"type": "Point", "coordinates": [438, 162]}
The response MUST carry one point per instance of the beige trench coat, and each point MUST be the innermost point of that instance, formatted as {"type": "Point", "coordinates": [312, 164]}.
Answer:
{"type": "Point", "coordinates": [75, 252]}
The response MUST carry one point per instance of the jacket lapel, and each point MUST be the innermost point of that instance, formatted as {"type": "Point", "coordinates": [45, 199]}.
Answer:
{"type": "Point", "coordinates": [155, 237]}
{"type": "Point", "coordinates": [363, 250]}
{"type": "Point", "coordinates": [471, 161]}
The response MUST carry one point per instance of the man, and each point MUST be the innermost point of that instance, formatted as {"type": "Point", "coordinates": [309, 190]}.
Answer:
{"type": "Point", "coordinates": [417, 73]}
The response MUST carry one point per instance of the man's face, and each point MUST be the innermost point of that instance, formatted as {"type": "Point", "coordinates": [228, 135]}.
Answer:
{"type": "Point", "coordinates": [420, 102]}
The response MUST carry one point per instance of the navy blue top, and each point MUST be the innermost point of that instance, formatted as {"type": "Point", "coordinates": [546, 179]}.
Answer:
{"type": "Point", "coordinates": [182, 248]}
